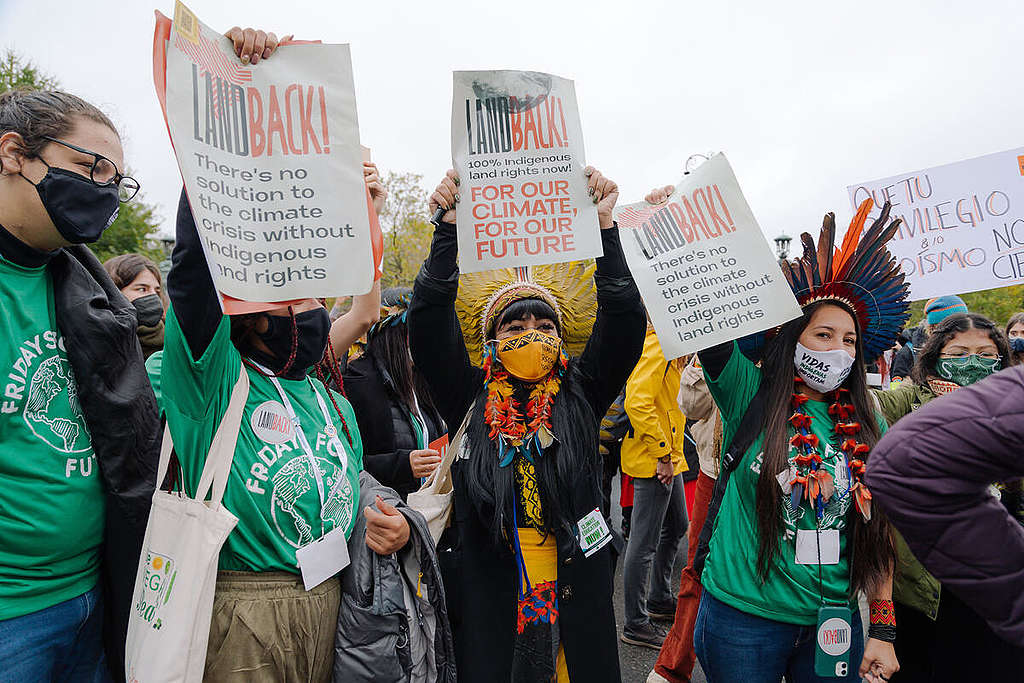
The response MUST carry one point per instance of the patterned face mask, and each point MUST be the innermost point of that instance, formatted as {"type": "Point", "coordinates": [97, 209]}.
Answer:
{"type": "Point", "coordinates": [966, 370]}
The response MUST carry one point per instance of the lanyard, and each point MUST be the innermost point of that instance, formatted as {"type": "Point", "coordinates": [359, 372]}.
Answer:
{"type": "Point", "coordinates": [418, 416]}
{"type": "Point", "coordinates": [329, 429]}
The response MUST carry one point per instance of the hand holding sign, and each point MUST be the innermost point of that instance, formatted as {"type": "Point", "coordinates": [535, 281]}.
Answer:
{"type": "Point", "coordinates": [604, 193]}
{"type": "Point", "coordinates": [445, 197]}
{"type": "Point", "coordinates": [251, 45]}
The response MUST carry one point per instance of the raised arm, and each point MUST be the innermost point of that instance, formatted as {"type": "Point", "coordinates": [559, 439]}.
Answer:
{"type": "Point", "coordinates": [365, 310]}
{"type": "Point", "coordinates": [190, 286]}
{"type": "Point", "coordinates": [435, 337]}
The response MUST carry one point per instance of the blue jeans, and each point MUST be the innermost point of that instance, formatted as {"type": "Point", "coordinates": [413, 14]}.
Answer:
{"type": "Point", "coordinates": [59, 643]}
{"type": "Point", "coordinates": [735, 646]}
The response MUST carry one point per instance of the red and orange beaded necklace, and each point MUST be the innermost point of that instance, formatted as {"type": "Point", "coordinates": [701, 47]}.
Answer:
{"type": "Point", "coordinates": [811, 481]}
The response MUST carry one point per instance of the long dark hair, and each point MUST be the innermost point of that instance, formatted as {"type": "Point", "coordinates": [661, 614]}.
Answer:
{"type": "Point", "coordinates": [492, 488]}
{"type": "Point", "coordinates": [389, 348]}
{"type": "Point", "coordinates": [874, 550]}
{"type": "Point", "coordinates": [924, 368]}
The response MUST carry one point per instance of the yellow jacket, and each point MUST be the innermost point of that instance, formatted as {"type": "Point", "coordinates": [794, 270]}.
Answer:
{"type": "Point", "coordinates": [656, 421]}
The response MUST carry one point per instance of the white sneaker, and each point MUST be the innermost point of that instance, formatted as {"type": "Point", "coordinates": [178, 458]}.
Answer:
{"type": "Point", "coordinates": [655, 677]}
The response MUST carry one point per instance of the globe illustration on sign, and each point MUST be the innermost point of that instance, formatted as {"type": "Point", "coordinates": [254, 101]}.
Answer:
{"type": "Point", "coordinates": [294, 489]}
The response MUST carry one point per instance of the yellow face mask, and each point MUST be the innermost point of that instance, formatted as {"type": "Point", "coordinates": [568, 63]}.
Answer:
{"type": "Point", "coordinates": [529, 356]}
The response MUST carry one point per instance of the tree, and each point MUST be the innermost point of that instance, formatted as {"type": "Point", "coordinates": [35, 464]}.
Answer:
{"type": "Point", "coordinates": [996, 304]}
{"type": "Point", "coordinates": [407, 230]}
{"type": "Point", "coordinates": [136, 228]}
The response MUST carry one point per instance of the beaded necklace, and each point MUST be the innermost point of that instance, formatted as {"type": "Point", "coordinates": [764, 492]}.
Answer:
{"type": "Point", "coordinates": [811, 481]}
{"type": "Point", "coordinates": [510, 429]}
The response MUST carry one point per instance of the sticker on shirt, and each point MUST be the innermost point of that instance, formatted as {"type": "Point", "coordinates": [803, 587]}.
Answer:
{"type": "Point", "coordinates": [271, 424]}
{"type": "Point", "coordinates": [809, 542]}
{"type": "Point", "coordinates": [594, 533]}
{"type": "Point", "coordinates": [41, 385]}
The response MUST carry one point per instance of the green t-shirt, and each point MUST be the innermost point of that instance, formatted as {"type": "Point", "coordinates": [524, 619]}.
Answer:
{"type": "Point", "coordinates": [51, 496]}
{"type": "Point", "coordinates": [153, 366]}
{"type": "Point", "coordinates": [272, 486]}
{"type": "Point", "coordinates": [790, 594]}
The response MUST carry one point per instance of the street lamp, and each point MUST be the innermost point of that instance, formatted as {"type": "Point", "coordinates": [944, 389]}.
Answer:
{"type": "Point", "coordinates": [782, 246]}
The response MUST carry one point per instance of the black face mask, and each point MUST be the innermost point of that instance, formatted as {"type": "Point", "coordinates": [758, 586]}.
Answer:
{"type": "Point", "coordinates": [149, 309]}
{"type": "Point", "coordinates": [79, 209]}
{"type": "Point", "coordinates": [313, 329]}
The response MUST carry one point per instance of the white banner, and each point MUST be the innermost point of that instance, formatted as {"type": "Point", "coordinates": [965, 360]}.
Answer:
{"type": "Point", "coordinates": [517, 146]}
{"type": "Point", "coordinates": [963, 223]}
{"type": "Point", "coordinates": [705, 271]}
{"type": "Point", "coordinates": [272, 165]}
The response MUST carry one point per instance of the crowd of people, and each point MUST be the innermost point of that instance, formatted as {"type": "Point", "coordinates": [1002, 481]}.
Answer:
{"type": "Point", "coordinates": [892, 515]}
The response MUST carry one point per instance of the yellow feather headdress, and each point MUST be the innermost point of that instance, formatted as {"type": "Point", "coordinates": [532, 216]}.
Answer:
{"type": "Point", "coordinates": [567, 287]}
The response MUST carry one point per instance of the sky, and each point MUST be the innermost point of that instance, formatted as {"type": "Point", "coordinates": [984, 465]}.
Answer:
{"type": "Point", "coordinates": [804, 98]}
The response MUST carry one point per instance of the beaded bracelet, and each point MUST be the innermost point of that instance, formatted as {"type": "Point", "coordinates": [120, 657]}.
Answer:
{"type": "Point", "coordinates": [883, 621]}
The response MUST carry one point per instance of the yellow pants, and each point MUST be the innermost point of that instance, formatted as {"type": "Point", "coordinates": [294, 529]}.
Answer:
{"type": "Point", "coordinates": [541, 558]}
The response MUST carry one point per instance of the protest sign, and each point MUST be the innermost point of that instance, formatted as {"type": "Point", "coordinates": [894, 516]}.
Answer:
{"type": "Point", "coordinates": [963, 223]}
{"type": "Point", "coordinates": [271, 161]}
{"type": "Point", "coordinates": [703, 267]}
{"type": "Point", "coordinates": [517, 146]}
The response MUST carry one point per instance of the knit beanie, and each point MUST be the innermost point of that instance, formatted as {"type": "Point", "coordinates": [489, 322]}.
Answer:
{"type": "Point", "coordinates": [942, 307]}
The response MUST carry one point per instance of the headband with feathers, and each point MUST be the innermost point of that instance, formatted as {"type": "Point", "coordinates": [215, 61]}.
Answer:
{"type": "Point", "coordinates": [861, 274]}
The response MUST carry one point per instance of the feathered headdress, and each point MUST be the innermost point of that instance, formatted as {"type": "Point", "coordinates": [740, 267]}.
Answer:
{"type": "Point", "coordinates": [567, 287]}
{"type": "Point", "coordinates": [394, 308]}
{"type": "Point", "coordinates": [861, 274]}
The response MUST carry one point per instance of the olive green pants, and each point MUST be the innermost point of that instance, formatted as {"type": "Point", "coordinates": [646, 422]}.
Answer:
{"type": "Point", "coordinates": [267, 627]}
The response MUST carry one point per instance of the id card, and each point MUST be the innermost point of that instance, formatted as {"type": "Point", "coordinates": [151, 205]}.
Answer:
{"type": "Point", "coordinates": [594, 533]}
{"type": "Point", "coordinates": [807, 546]}
{"type": "Point", "coordinates": [323, 558]}
{"type": "Point", "coordinates": [833, 642]}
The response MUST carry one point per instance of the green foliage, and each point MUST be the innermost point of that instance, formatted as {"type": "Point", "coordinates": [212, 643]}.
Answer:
{"type": "Point", "coordinates": [407, 230]}
{"type": "Point", "coordinates": [134, 231]}
{"type": "Point", "coordinates": [18, 73]}
{"type": "Point", "coordinates": [996, 304]}
{"type": "Point", "coordinates": [136, 228]}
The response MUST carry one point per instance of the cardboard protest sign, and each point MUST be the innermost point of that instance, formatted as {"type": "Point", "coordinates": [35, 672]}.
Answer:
{"type": "Point", "coordinates": [703, 267]}
{"type": "Point", "coordinates": [963, 223]}
{"type": "Point", "coordinates": [517, 146]}
{"type": "Point", "coordinates": [271, 161]}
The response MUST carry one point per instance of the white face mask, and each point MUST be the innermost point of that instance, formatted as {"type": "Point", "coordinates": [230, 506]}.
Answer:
{"type": "Point", "coordinates": [822, 371]}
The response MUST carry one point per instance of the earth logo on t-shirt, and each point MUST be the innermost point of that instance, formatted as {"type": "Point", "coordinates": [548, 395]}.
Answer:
{"type": "Point", "coordinates": [295, 483]}
{"type": "Point", "coordinates": [52, 410]}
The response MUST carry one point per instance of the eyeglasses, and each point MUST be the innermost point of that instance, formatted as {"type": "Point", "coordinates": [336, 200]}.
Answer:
{"type": "Point", "coordinates": [964, 354]}
{"type": "Point", "coordinates": [104, 172]}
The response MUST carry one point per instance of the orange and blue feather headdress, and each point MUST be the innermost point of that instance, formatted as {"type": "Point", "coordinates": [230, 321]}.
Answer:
{"type": "Point", "coordinates": [861, 274]}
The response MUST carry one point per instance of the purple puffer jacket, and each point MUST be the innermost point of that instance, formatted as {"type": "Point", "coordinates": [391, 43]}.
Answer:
{"type": "Point", "coordinates": [931, 472]}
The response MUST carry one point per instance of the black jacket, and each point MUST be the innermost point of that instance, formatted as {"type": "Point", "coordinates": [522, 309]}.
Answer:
{"type": "Point", "coordinates": [481, 577]}
{"type": "Point", "coordinates": [385, 424]}
{"type": "Point", "coordinates": [905, 358]}
{"type": "Point", "coordinates": [99, 329]}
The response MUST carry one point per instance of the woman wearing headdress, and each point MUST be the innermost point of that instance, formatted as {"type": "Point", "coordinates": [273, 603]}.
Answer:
{"type": "Point", "coordinates": [530, 596]}
{"type": "Point", "coordinates": [796, 531]}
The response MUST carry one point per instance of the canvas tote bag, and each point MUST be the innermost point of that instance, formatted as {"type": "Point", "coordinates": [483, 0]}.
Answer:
{"type": "Point", "coordinates": [434, 499]}
{"type": "Point", "coordinates": [169, 624]}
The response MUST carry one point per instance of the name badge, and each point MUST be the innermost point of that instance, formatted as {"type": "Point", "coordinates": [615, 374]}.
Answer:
{"type": "Point", "coordinates": [594, 533]}
{"type": "Point", "coordinates": [807, 546]}
{"type": "Point", "coordinates": [323, 558]}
